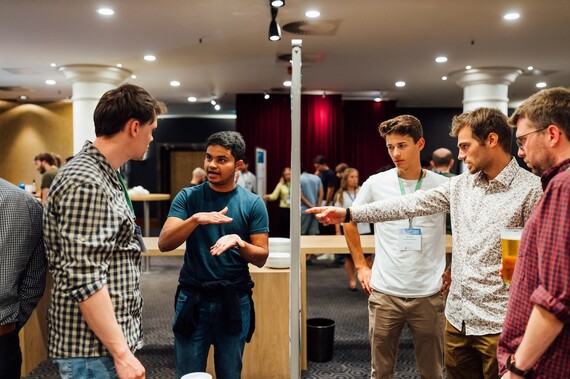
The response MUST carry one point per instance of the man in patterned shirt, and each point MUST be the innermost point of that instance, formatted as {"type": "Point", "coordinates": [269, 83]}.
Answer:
{"type": "Point", "coordinates": [536, 333]}
{"type": "Point", "coordinates": [495, 194]}
{"type": "Point", "coordinates": [94, 319]}
{"type": "Point", "coordinates": [22, 270]}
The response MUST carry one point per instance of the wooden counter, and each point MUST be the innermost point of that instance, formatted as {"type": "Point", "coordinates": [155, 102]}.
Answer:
{"type": "Point", "coordinates": [267, 355]}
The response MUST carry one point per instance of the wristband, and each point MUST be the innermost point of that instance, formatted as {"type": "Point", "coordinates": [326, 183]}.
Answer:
{"type": "Point", "coordinates": [347, 217]}
{"type": "Point", "coordinates": [515, 370]}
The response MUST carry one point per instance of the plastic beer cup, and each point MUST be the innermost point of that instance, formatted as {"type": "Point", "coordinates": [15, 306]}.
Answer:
{"type": "Point", "coordinates": [510, 241]}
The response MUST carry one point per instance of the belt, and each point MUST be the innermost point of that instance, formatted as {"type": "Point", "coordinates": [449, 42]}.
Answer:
{"type": "Point", "coordinates": [8, 328]}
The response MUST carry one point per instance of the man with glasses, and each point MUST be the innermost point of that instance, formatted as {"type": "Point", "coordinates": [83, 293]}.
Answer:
{"type": "Point", "coordinates": [536, 335]}
{"type": "Point", "coordinates": [495, 194]}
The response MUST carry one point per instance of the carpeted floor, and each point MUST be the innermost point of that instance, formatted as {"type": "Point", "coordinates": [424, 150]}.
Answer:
{"type": "Point", "coordinates": [328, 297]}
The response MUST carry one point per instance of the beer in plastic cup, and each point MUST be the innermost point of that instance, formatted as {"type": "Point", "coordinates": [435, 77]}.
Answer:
{"type": "Point", "coordinates": [510, 241]}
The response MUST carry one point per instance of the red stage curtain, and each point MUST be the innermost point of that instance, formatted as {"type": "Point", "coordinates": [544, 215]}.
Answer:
{"type": "Point", "coordinates": [341, 131]}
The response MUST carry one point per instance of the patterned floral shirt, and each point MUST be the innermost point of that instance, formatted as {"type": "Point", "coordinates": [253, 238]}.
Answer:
{"type": "Point", "coordinates": [479, 209]}
{"type": "Point", "coordinates": [89, 233]}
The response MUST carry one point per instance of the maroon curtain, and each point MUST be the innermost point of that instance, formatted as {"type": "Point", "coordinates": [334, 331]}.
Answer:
{"type": "Point", "coordinates": [362, 146]}
{"type": "Point", "coordinates": [341, 131]}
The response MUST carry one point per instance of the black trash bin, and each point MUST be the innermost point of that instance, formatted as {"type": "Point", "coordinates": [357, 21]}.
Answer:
{"type": "Point", "coordinates": [320, 339]}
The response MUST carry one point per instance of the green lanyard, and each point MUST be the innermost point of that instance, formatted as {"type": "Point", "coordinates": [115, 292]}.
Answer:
{"type": "Point", "coordinates": [125, 191]}
{"type": "Point", "coordinates": [418, 186]}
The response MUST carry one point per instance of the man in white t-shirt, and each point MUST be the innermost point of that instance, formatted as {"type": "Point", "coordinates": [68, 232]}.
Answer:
{"type": "Point", "coordinates": [406, 277]}
{"type": "Point", "coordinates": [246, 178]}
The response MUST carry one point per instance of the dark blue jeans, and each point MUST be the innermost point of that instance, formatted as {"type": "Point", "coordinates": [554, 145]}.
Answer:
{"type": "Point", "coordinates": [10, 356]}
{"type": "Point", "coordinates": [191, 353]}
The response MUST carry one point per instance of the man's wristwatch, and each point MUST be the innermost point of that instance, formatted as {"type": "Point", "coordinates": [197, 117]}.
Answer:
{"type": "Point", "coordinates": [347, 217]}
{"type": "Point", "coordinates": [515, 370]}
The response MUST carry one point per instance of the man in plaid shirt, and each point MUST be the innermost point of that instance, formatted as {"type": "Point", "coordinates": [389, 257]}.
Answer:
{"type": "Point", "coordinates": [536, 335]}
{"type": "Point", "coordinates": [94, 319]}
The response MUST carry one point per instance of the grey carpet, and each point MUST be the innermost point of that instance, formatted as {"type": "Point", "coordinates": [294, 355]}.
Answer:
{"type": "Point", "coordinates": [328, 297]}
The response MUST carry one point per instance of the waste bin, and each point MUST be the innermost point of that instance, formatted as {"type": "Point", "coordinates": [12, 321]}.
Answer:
{"type": "Point", "coordinates": [320, 339]}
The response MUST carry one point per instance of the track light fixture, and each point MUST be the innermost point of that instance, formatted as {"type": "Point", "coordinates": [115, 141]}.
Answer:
{"type": "Point", "coordinates": [277, 3]}
{"type": "Point", "coordinates": [274, 29]}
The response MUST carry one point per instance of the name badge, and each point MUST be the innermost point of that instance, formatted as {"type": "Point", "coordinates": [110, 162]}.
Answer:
{"type": "Point", "coordinates": [138, 233]}
{"type": "Point", "coordinates": [410, 239]}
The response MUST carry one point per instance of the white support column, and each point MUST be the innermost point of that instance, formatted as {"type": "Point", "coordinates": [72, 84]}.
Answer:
{"type": "Point", "coordinates": [89, 83]}
{"type": "Point", "coordinates": [486, 87]}
{"type": "Point", "coordinates": [295, 227]}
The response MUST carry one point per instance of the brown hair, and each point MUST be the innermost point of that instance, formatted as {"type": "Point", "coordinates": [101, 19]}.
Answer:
{"type": "Point", "coordinates": [484, 121]}
{"type": "Point", "coordinates": [405, 125]}
{"type": "Point", "coordinates": [119, 105]}
{"type": "Point", "coordinates": [45, 157]}
{"type": "Point", "coordinates": [339, 195]}
{"type": "Point", "coordinates": [547, 107]}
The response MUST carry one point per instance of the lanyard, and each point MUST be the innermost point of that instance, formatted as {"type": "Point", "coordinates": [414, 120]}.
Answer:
{"type": "Point", "coordinates": [125, 191]}
{"type": "Point", "coordinates": [418, 186]}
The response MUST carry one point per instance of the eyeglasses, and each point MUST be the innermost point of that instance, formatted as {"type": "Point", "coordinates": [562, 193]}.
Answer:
{"type": "Point", "coordinates": [520, 142]}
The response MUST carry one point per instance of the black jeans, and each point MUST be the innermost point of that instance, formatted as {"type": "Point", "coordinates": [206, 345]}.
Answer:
{"type": "Point", "coordinates": [10, 356]}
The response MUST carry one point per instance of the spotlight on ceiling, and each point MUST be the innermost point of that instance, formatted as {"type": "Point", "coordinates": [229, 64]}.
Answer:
{"type": "Point", "coordinates": [277, 3]}
{"type": "Point", "coordinates": [266, 96]}
{"type": "Point", "coordinates": [274, 29]}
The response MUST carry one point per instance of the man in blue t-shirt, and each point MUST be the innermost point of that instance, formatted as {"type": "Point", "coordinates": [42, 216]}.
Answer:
{"type": "Point", "coordinates": [225, 228]}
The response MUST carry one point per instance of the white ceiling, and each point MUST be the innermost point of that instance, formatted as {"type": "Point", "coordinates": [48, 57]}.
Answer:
{"type": "Point", "coordinates": [220, 47]}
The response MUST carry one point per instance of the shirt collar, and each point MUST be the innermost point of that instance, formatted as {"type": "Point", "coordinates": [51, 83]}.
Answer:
{"type": "Point", "coordinates": [504, 179]}
{"type": "Point", "coordinates": [552, 172]}
{"type": "Point", "coordinates": [106, 167]}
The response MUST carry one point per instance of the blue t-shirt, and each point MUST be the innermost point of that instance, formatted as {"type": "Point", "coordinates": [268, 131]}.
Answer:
{"type": "Point", "coordinates": [249, 217]}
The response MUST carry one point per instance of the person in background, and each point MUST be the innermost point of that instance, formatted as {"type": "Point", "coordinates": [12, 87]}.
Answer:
{"type": "Point", "coordinates": [93, 245]}
{"type": "Point", "coordinates": [536, 334]}
{"type": "Point", "coordinates": [23, 271]}
{"type": "Point", "coordinates": [45, 165]}
{"type": "Point", "coordinates": [283, 193]}
{"type": "Point", "coordinates": [344, 197]}
{"type": "Point", "coordinates": [442, 161]}
{"type": "Point", "coordinates": [328, 177]}
{"type": "Point", "coordinates": [311, 196]}
{"type": "Point", "coordinates": [339, 170]}
{"type": "Point", "coordinates": [495, 193]}
{"type": "Point", "coordinates": [198, 176]}
{"type": "Point", "coordinates": [225, 228]}
{"type": "Point", "coordinates": [246, 178]}
{"type": "Point", "coordinates": [58, 161]}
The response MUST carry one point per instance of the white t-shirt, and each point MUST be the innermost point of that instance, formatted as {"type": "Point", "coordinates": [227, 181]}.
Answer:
{"type": "Point", "coordinates": [247, 180]}
{"type": "Point", "coordinates": [405, 273]}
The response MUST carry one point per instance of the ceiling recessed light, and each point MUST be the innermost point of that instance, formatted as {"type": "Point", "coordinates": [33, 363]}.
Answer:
{"type": "Point", "coordinates": [530, 68]}
{"type": "Point", "coordinates": [217, 107]}
{"type": "Point", "coordinates": [313, 13]}
{"type": "Point", "coordinates": [468, 67]}
{"type": "Point", "coordinates": [105, 11]}
{"type": "Point", "coordinates": [444, 77]}
{"type": "Point", "coordinates": [277, 3]}
{"type": "Point", "coordinates": [266, 96]}
{"type": "Point", "coordinates": [149, 58]}
{"type": "Point", "coordinates": [213, 102]}
{"type": "Point", "coordinates": [377, 99]}
{"type": "Point", "coordinates": [541, 84]}
{"type": "Point", "coordinates": [50, 82]}
{"type": "Point", "coordinates": [400, 83]}
{"type": "Point", "coordinates": [287, 83]}
{"type": "Point", "coordinates": [511, 16]}
{"type": "Point", "coordinates": [175, 83]}
{"type": "Point", "coordinates": [192, 99]}
{"type": "Point", "coordinates": [52, 64]}
{"type": "Point", "coordinates": [441, 59]}
{"type": "Point", "coordinates": [23, 97]}
{"type": "Point", "coordinates": [119, 65]}
{"type": "Point", "coordinates": [133, 76]}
